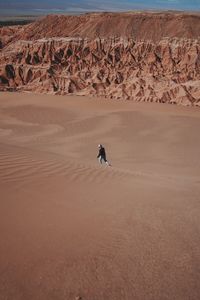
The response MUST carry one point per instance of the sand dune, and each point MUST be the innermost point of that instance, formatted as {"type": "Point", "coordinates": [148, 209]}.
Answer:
{"type": "Point", "coordinates": [72, 228]}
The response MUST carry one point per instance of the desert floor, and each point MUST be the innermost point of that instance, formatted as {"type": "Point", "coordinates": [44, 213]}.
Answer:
{"type": "Point", "coordinates": [70, 227]}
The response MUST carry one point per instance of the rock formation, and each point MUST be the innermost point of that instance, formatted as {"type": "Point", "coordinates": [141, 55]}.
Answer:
{"type": "Point", "coordinates": [80, 56]}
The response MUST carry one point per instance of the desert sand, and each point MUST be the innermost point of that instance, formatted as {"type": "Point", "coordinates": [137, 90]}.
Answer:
{"type": "Point", "coordinates": [72, 228]}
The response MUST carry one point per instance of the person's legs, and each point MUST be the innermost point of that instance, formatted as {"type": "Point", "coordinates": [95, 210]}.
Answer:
{"type": "Point", "coordinates": [100, 159]}
{"type": "Point", "coordinates": [107, 163]}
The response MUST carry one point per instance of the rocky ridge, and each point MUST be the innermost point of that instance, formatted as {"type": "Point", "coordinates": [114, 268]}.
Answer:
{"type": "Point", "coordinates": [166, 70]}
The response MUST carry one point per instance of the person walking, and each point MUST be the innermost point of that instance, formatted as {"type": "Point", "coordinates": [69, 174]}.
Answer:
{"type": "Point", "coordinates": [102, 155]}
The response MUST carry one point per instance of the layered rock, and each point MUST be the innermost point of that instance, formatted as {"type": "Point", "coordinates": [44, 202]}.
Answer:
{"type": "Point", "coordinates": [166, 70]}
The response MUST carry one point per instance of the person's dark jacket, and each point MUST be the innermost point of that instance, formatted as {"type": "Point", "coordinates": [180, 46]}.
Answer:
{"type": "Point", "coordinates": [102, 152]}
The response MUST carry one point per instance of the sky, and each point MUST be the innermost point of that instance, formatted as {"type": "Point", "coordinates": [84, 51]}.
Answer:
{"type": "Point", "coordinates": [38, 6]}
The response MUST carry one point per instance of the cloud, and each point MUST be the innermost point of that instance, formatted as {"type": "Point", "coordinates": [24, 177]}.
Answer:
{"type": "Point", "coordinates": [88, 5]}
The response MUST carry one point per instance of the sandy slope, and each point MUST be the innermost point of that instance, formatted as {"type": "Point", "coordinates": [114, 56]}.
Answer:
{"type": "Point", "coordinates": [70, 227]}
{"type": "Point", "coordinates": [144, 25]}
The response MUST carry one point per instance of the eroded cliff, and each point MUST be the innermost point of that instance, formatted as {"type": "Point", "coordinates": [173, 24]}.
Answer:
{"type": "Point", "coordinates": [164, 70]}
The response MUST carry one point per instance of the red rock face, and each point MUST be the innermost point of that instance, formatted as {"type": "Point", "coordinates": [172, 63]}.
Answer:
{"type": "Point", "coordinates": [163, 70]}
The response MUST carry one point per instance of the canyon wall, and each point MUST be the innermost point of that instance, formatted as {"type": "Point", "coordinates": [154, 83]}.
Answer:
{"type": "Point", "coordinates": [163, 70]}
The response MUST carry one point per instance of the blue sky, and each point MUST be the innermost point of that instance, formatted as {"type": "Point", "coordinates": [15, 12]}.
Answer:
{"type": "Point", "coordinates": [97, 5]}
